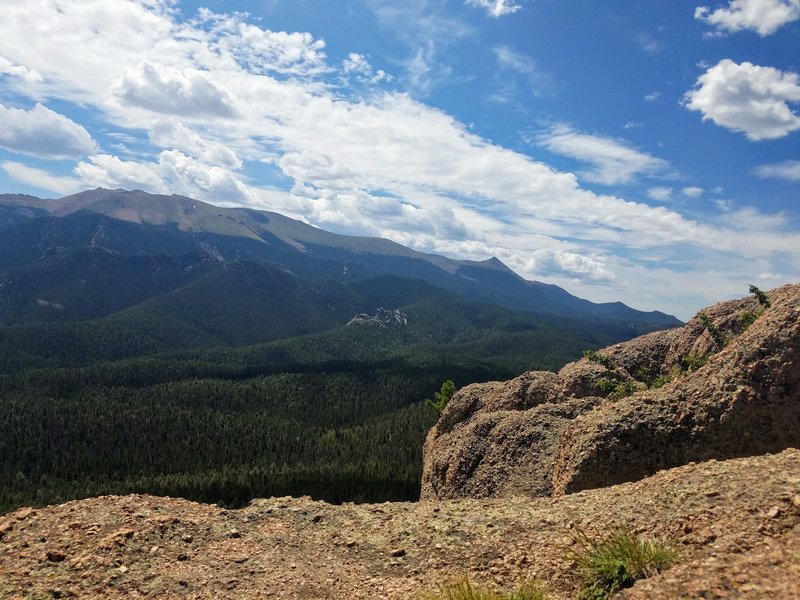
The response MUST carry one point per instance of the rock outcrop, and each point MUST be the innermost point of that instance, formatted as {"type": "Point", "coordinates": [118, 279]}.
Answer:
{"type": "Point", "coordinates": [726, 384]}
{"type": "Point", "coordinates": [736, 524]}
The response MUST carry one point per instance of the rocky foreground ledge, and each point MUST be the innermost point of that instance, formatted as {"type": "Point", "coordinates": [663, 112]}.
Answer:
{"type": "Point", "coordinates": [736, 524]}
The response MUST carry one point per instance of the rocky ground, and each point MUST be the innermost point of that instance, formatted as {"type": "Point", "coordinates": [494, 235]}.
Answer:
{"type": "Point", "coordinates": [736, 524]}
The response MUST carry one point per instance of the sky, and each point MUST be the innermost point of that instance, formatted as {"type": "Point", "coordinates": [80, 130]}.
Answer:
{"type": "Point", "coordinates": [638, 150]}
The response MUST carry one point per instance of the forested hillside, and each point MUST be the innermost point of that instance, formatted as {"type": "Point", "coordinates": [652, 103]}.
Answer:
{"type": "Point", "coordinates": [211, 355]}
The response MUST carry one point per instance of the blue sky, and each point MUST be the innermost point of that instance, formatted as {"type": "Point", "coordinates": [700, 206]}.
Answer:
{"type": "Point", "coordinates": [641, 151]}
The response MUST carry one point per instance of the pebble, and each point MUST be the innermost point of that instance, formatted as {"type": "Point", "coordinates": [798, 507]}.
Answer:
{"type": "Point", "coordinates": [55, 555]}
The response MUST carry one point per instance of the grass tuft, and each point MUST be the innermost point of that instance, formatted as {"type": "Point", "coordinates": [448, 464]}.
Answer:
{"type": "Point", "coordinates": [464, 590]}
{"type": "Point", "coordinates": [608, 566]}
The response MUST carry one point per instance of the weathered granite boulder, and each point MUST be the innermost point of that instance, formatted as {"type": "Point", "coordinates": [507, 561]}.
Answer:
{"type": "Point", "coordinates": [553, 433]}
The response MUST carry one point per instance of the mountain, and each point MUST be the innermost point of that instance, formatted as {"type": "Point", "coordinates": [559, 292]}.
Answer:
{"type": "Point", "coordinates": [105, 218]}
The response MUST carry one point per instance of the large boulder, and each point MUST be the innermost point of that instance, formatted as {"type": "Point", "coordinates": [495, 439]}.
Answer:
{"type": "Point", "coordinates": [553, 433]}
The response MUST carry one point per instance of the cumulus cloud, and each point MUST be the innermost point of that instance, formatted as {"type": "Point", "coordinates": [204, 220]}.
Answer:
{"type": "Point", "coordinates": [172, 134]}
{"type": "Point", "coordinates": [43, 133]}
{"type": "Point", "coordinates": [496, 8]}
{"type": "Point", "coordinates": [660, 194]}
{"type": "Point", "coordinates": [692, 192]}
{"type": "Point", "coordinates": [747, 98]}
{"type": "Point", "coordinates": [613, 161]}
{"type": "Point", "coordinates": [174, 172]}
{"type": "Point", "coordinates": [264, 51]}
{"type": "Point", "coordinates": [41, 179]}
{"type": "Point", "coordinates": [164, 89]}
{"type": "Point", "coordinates": [548, 262]}
{"type": "Point", "coordinates": [764, 17]}
{"type": "Point", "coordinates": [788, 170]}
{"type": "Point", "coordinates": [105, 170]}
{"type": "Point", "coordinates": [28, 75]}
{"type": "Point", "coordinates": [358, 65]}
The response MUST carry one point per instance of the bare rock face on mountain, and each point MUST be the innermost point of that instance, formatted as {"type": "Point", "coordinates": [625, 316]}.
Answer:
{"type": "Point", "coordinates": [726, 384]}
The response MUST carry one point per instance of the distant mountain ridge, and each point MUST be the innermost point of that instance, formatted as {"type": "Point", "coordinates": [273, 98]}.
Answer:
{"type": "Point", "coordinates": [180, 224]}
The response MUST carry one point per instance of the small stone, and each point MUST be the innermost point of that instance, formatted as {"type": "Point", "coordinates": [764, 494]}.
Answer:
{"type": "Point", "coordinates": [5, 528]}
{"type": "Point", "coordinates": [796, 501]}
{"type": "Point", "coordinates": [316, 519]}
{"type": "Point", "coordinates": [187, 538]}
{"type": "Point", "coordinates": [75, 526]}
{"type": "Point", "coordinates": [234, 533]}
{"type": "Point", "coordinates": [351, 543]}
{"type": "Point", "coordinates": [241, 559]}
{"type": "Point", "coordinates": [24, 513]}
{"type": "Point", "coordinates": [398, 552]}
{"type": "Point", "coordinates": [154, 549]}
{"type": "Point", "coordinates": [55, 555]}
{"type": "Point", "coordinates": [774, 512]}
{"type": "Point", "coordinates": [183, 556]}
{"type": "Point", "coordinates": [123, 569]}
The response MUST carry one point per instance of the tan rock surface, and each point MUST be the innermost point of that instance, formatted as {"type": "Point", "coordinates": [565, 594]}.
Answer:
{"type": "Point", "coordinates": [735, 523]}
{"type": "Point", "coordinates": [548, 433]}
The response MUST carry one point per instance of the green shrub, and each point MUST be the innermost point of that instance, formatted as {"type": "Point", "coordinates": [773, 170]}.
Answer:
{"type": "Point", "coordinates": [595, 357]}
{"type": "Point", "coordinates": [645, 375]}
{"type": "Point", "coordinates": [464, 590]}
{"type": "Point", "coordinates": [607, 566]}
{"type": "Point", "coordinates": [720, 340]}
{"type": "Point", "coordinates": [747, 318]}
{"type": "Point", "coordinates": [692, 362]}
{"type": "Point", "coordinates": [441, 398]}
{"type": "Point", "coordinates": [760, 296]}
{"type": "Point", "coordinates": [613, 389]}
{"type": "Point", "coordinates": [665, 378]}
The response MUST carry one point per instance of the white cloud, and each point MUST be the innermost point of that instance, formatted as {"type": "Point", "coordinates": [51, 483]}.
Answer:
{"type": "Point", "coordinates": [264, 51]}
{"type": "Point", "coordinates": [21, 71]}
{"type": "Point", "coordinates": [174, 172]}
{"type": "Point", "coordinates": [660, 194]}
{"type": "Point", "coordinates": [762, 16]}
{"type": "Point", "coordinates": [164, 89]}
{"type": "Point", "coordinates": [541, 83]}
{"type": "Point", "coordinates": [747, 98]}
{"type": "Point", "coordinates": [496, 8]}
{"type": "Point", "coordinates": [172, 134]}
{"type": "Point", "coordinates": [43, 133]}
{"type": "Point", "coordinates": [358, 65]}
{"type": "Point", "coordinates": [427, 32]}
{"type": "Point", "coordinates": [549, 262]}
{"type": "Point", "coordinates": [108, 171]}
{"type": "Point", "coordinates": [41, 179]}
{"type": "Point", "coordinates": [693, 192]}
{"type": "Point", "coordinates": [788, 170]}
{"type": "Point", "coordinates": [652, 97]}
{"type": "Point", "coordinates": [613, 161]}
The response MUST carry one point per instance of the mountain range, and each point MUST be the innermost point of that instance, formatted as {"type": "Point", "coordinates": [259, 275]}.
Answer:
{"type": "Point", "coordinates": [155, 244]}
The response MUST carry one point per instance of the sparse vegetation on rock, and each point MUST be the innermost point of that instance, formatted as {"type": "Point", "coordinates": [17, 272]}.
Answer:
{"type": "Point", "coordinates": [463, 589]}
{"type": "Point", "coordinates": [609, 565]}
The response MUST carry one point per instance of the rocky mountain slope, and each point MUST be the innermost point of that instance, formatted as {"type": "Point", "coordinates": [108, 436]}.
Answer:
{"type": "Point", "coordinates": [727, 384]}
{"type": "Point", "coordinates": [736, 525]}
{"type": "Point", "coordinates": [131, 222]}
